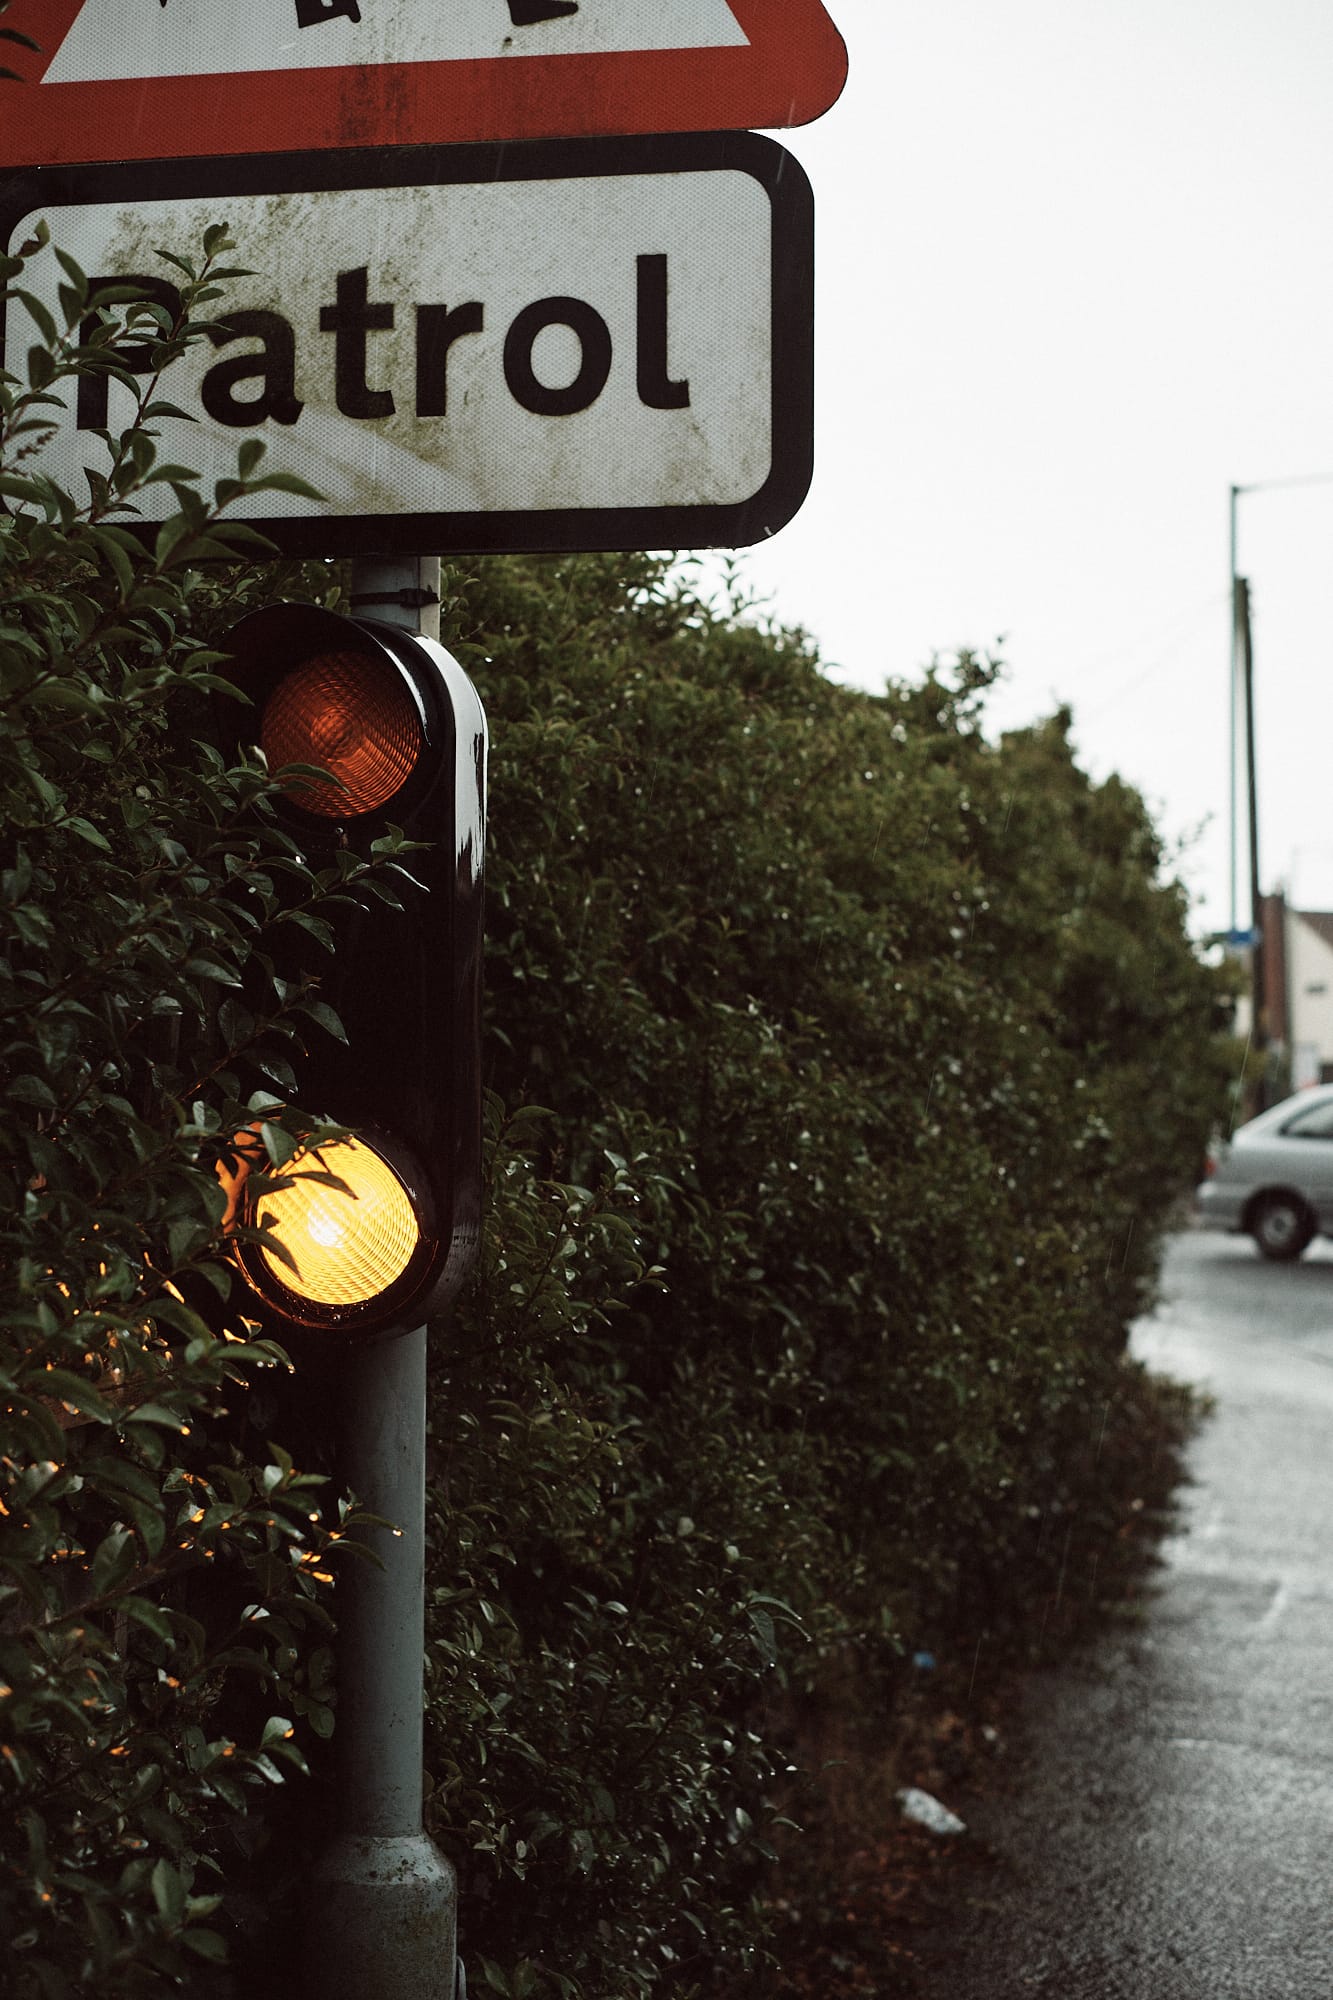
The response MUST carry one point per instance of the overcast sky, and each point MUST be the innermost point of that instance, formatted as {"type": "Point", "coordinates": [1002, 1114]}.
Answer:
{"type": "Point", "coordinates": [1075, 277]}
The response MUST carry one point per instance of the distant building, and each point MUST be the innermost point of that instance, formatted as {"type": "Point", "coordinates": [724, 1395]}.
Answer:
{"type": "Point", "coordinates": [1298, 989]}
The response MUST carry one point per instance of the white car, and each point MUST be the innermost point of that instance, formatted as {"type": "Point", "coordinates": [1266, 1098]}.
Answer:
{"type": "Point", "coordinates": [1274, 1179]}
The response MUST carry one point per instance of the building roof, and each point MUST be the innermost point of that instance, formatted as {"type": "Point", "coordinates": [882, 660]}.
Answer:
{"type": "Point", "coordinates": [1320, 922]}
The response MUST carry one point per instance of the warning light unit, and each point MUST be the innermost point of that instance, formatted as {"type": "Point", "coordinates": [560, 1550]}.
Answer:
{"type": "Point", "coordinates": [375, 1232]}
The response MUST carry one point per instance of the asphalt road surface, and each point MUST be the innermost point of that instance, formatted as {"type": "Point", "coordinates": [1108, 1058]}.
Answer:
{"type": "Point", "coordinates": [1167, 1830]}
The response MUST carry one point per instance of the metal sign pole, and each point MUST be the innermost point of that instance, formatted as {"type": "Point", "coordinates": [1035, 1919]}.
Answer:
{"type": "Point", "coordinates": [398, 590]}
{"type": "Point", "coordinates": [382, 1916]}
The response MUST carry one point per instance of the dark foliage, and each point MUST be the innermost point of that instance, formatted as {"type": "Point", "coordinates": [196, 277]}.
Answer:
{"type": "Point", "coordinates": [870, 1056]}
{"type": "Point", "coordinates": [156, 1552]}
{"type": "Point", "coordinates": [842, 1067]}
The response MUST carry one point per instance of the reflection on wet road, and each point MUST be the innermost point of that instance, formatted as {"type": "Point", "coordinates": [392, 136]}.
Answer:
{"type": "Point", "coordinates": [1170, 1834]}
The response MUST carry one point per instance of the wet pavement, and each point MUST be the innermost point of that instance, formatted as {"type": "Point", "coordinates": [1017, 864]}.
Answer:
{"type": "Point", "coordinates": [1166, 1832]}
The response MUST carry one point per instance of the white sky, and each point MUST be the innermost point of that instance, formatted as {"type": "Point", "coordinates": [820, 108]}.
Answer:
{"type": "Point", "coordinates": [1075, 276]}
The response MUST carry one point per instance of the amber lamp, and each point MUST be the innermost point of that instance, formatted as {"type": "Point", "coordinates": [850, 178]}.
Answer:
{"type": "Point", "coordinates": [350, 714]}
{"type": "Point", "coordinates": [348, 1244]}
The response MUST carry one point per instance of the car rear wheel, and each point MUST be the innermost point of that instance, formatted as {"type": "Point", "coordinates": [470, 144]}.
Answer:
{"type": "Point", "coordinates": [1282, 1227]}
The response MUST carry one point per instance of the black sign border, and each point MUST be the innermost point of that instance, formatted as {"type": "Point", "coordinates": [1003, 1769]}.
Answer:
{"type": "Point", "coordinates": [735, 525]}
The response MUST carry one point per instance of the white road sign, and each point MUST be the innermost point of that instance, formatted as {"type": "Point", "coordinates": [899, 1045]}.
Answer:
{"type": "Point", "coordinates": [606, 346]}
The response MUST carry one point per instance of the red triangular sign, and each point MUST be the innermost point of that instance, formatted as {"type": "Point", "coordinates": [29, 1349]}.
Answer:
{"type": "Point", "coordinates": [156, 79]}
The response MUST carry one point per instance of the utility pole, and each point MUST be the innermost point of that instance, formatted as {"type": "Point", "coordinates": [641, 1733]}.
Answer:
{"type": "Point", "coordinates": [1233, 687]}
{"type": "Point", "coordinates": [1245, 658]}
{"type": "Point", "coordinates": [1242, 708]}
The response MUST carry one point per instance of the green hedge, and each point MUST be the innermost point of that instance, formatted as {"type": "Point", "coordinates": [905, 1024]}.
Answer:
{"type": "Point", "coordinates": [156, 1551]}
{"type": "Point", "coordinates": [842, 1066]}
{"type": "Point", "coordinates": [869, 1055]}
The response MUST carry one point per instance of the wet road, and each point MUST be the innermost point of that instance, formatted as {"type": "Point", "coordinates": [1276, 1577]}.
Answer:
{"type": "Point", "coordinates": [1168, 1834]}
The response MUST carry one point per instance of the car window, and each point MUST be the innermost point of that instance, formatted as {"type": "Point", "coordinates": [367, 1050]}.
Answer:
{"type": "Point", "coordinates": [1316, 1123]}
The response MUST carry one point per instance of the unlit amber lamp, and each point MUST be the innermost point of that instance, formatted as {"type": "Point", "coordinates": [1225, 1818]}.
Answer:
{"type": "Point", "coordinates": [348, 1248]}
{"type": "Point", "coordinates": [351, 715]}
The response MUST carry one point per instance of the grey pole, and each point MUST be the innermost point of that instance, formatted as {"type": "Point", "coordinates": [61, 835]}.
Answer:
{"type": "Point", "coordinates": [1241, 689]}
{"type": "Point", "coordinates": [398, 590]}
{"type": "Point", "coordinates": [382, 1912]}
{"type": "Point", "coordinates": [1232, 601]}
{"type": "Point", "coordinates": [383, 1909]}
{"type": "Point", "coordinates": [1258, 1008]}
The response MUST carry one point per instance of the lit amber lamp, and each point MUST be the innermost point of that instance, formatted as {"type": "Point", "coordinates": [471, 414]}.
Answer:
{"type": "Point", "coordinates": [347, 1247]}
{"type": "Point", "coordinates": [354, 1249]}
{"type": "Point", "coordinates": [350, 714]}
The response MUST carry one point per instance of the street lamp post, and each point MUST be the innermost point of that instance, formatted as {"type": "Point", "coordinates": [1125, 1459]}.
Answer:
{"type": "Point", "coordinates": [1242, 716]}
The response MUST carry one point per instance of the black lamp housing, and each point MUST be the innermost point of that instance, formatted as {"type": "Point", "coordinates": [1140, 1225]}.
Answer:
{"type": "Point", "coordinates": [405, 983]}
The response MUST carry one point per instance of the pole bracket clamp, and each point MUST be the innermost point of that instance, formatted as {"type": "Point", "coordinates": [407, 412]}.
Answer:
{"type": "Point", "coordinates": [410, 600]}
